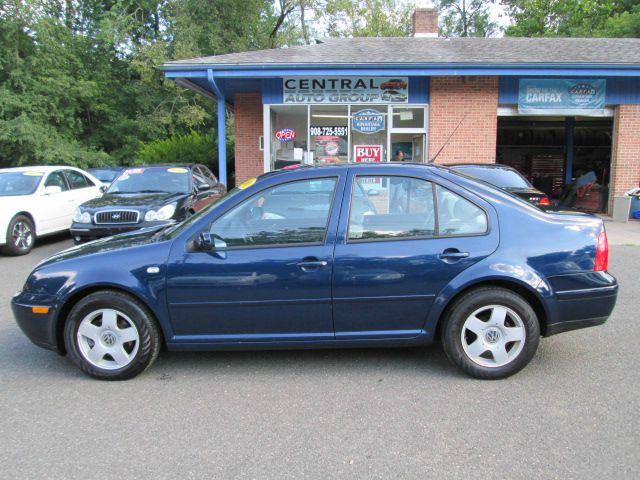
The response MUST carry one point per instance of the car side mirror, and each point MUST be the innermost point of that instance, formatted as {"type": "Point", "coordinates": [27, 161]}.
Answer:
{"type": "Point", "coordinates": [52, 189]}
{"type": "Point", "coordinates": [208, 242]}
{"type": "Point", "coordinates": [205, 242]}
{"type": "Point", "coordinates": [103, 188]}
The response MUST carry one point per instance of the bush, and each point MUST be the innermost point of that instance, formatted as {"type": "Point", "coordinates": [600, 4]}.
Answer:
{"type": "Point", "coordinates": [194, 147]}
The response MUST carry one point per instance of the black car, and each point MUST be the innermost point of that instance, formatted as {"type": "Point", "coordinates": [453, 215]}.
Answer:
{"type": "Point", "coordinates": [146, 196]}
{"type": "Point", "coordinates": [506, 178]}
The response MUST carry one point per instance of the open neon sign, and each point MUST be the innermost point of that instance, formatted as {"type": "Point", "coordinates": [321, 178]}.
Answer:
{"type": "Point", "coordinates": [285, 134]}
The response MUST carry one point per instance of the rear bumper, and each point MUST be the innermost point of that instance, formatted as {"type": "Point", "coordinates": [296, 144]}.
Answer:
{"type": "Point", "coordinates": [575, 309]}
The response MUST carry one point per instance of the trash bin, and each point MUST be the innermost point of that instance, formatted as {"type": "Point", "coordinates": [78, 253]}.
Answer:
{"type": "Point", "coordinates": [635, 207]}
{"type": "Point", "coordinates": [621, 209]}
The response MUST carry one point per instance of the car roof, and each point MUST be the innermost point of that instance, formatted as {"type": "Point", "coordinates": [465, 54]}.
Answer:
{"type": "Point", "coordinates": [39, 168]}
{"type": "Point", "coordinates": [359, 166]}
{"type": "Point", "coordinates": [481, 165]}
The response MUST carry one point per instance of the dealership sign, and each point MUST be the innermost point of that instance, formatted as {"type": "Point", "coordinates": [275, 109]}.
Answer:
{"type": "Point", "coordinates": [346, 90]}
{"type": "Point", "coordinates": [368, 121]}
{"type": "Point", "coordinates": [561, 96]}
{"type": "Point", "coordinates": [367, 153]}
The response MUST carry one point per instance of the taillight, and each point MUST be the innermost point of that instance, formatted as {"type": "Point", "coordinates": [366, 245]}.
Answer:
{"type": "Point", "coordinates": [545, 202]}
{"type": "Point", "coordinates": [602, 253]}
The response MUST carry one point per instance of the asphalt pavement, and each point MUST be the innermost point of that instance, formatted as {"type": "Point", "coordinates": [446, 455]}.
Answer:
{"type": "Point", "coordinates": [379, 413]}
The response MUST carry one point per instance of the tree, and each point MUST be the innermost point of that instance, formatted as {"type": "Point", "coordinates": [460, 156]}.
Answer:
{"type": "Point", "coordinates": [560, 18]}
{"type": "Point", "coordinates": [365, 18]}
{"type": "Point", "coordinates": [466, 18]}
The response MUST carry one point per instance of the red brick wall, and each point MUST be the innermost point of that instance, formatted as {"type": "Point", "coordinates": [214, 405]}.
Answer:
{"type": "Point", "coordinates": [451, 98]}
{"type": "Point", "coordinates": [248, 129]}
{"type": "Point", "coordinates": [625, 163]}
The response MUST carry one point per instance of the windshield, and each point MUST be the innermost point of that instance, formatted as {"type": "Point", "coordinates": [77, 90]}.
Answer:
{"type": "Point", "coordinates": [13, 184]}
{"type": "Point", "coordinates": [500, 177]}
{"type": "Point", "coordinates": [105, 175]}
{"type": "Point", "coordinates": [152, 179]}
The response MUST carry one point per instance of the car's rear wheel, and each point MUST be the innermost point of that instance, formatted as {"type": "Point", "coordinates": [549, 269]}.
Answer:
{"type": "Point", "coordinates": [111, 336]}
{"type": "Point", "coordinates": [490, 333]}
{"type": "Point", "coordinates": [20, 236]}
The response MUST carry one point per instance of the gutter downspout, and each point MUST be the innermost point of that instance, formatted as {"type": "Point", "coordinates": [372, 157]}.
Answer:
{"type": "Point", "coordinates": [222, 128]}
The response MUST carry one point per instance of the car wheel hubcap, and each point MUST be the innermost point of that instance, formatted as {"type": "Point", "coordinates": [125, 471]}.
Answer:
{"type": "Point", "coordinates": [108, 339]}
{"type": "Point", "coordinates": [22, 236]}
{"type": "Point", "coordinates": [493, 336]}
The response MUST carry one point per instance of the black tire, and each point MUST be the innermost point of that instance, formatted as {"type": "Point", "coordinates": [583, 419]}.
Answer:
{"type": "Point", "coordinates": [110, 348]}
{"type": "Point", "coordinates": [509, 344]}
{"type": "Point", "coordinates": [21, 236]}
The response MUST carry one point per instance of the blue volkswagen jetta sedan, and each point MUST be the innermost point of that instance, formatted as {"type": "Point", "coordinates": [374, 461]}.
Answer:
{"type": "Point", "coordinates": [336, 256]}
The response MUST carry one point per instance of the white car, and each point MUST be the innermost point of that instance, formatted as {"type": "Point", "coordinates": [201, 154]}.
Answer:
{"type": "Point", "coordinates": [36, 201]}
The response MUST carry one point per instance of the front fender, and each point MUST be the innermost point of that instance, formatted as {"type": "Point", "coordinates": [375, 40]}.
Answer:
{"type": "Point", "coordinates": [125, 270]}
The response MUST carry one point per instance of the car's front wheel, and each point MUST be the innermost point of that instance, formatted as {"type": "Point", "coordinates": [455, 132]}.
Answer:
{"type": "Point", "coordinates": [490, 333]}
{"type": "Point", "coordinates": [111, 336]}
{"type": "Point", "coordinates": [20, 236]}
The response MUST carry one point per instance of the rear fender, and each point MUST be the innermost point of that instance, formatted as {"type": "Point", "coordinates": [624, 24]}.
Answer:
{"type": "Point", "coordinates": [493, 271]}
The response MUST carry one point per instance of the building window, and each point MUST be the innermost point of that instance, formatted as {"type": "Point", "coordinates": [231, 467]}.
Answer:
{"type": "Point", "coordinates": [319, 134]}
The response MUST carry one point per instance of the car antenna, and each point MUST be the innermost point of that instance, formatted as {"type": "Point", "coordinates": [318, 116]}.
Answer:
{"type": "Point", "coordinates": [449, 138]}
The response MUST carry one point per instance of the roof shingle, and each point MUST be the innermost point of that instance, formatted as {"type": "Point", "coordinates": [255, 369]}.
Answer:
{"type": "Point", "coordinates": [425, 51]}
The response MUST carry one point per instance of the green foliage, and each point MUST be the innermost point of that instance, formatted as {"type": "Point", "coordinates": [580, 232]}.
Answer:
{"type": "Point", "coordinates": [366, 18]}
{"type": "Point", "coordinates": [466, 18]}
{"type": "Point", "coordinates": [192, 147]}
{"type": "Point", "coordinates": [577, 18]}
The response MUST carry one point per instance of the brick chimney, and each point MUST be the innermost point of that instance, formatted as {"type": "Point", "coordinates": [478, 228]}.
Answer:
{"type": "Point", "coordinates": [425, 22]}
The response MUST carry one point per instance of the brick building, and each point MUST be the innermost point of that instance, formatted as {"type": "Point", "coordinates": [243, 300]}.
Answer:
{"type": "Point", "coordinates": [554, 108]}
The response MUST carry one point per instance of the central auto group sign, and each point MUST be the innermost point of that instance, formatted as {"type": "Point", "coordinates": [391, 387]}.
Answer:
{"type": "Point", "coordinates": [345, 90]}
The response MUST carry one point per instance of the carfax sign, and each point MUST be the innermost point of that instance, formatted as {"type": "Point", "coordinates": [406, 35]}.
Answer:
{"type": "Point", "coordinates": [368, 121]}
{"type": "Point", "coordinates": [561, 96]}
{"type": "Point", "coordinates": [345, 90]}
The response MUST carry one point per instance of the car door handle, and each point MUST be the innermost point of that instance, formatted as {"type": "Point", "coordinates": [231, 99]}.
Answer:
{"type": "Point", "coordinates": [312, 263]}
{"type": "Point", "coordinates": [453, 254]}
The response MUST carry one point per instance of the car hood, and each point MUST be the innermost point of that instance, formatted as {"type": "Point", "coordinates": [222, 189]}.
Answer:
{"type": "Point", "coordinates": [136, 200]}
{"type": "Point", "coordinates": [137, 238]}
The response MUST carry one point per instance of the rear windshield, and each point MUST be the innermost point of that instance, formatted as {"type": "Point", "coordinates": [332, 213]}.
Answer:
{"type": "Point", "coordinates": [500, 177]}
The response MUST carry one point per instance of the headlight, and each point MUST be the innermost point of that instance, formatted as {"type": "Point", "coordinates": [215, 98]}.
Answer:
{"type": "Point", "coordinates": [163, 213]}
{"type": "Point", "coordinates": [81, 217]}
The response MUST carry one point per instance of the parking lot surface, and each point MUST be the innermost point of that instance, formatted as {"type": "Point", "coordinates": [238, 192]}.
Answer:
{"type": "Point", "coordinates": [393, 413]}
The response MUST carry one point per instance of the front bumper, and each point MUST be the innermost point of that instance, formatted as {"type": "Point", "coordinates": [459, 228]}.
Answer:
{"type": "Point", "coordinates": [40, 328]}
{"type": "Point", "coordinates": [85, 232]}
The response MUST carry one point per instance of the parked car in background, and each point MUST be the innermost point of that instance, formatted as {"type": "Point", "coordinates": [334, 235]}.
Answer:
{"type": "Point", "coordinates": [307, 257]}
{"type": "Point", "coordinates": [106, 174]}
{"type": "Point", "coordinates": [146, 196]}
{"type": "Point", "coordinates": [507, 178]}
{"type": "Point", "coordinates": [37, 201]}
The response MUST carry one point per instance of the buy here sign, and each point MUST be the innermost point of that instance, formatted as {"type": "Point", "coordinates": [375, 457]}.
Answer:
{"type": "Point", "coordinates": [367, 153]}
